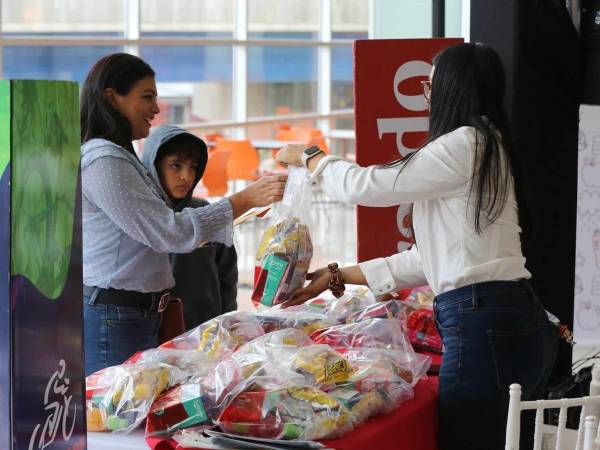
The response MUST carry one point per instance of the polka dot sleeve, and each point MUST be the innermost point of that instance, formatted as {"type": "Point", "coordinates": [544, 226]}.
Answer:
{"type": "Point", "coordinates": [115, 187]}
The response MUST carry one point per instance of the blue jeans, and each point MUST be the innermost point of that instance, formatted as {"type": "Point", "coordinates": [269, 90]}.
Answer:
{"type": "Point", "coordinates": [494, 333]}
{"type": "Point", "coordinates": [114, 333]}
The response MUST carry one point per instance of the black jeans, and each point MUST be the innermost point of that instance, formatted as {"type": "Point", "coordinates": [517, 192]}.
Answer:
{"type": "Point", "coordinates": [494, 333]}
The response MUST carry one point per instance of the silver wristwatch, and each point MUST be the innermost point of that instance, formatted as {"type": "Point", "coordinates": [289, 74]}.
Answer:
{"type": "Point", "coordinates": [308, 153]}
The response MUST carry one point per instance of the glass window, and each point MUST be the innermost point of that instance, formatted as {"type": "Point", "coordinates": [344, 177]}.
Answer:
{"type": "Point", "coordinates": [63, 17]}
{"type": "Point", "coordinates": [453, 18]}
{"type": "Point", "coordinates": [283, 19]}
{"type": "Point", "coordinates": [52, 63]}
{"type": "Point", "coordinates": [281, 79]}
{"type": "Point", "coordinates": [189, 18]}
{"type": "Point", "coordinates": [350, 19]}
{"type": "Point", "coordinates": [342, 78]}
{"type": "Point", "coordinates": [194, 82]}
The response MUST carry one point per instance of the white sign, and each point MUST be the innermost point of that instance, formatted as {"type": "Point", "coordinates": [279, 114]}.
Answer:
{"type": "Point", "coordinates": [587, 262]}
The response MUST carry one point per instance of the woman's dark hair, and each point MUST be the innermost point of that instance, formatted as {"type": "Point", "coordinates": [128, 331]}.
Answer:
{"type": "Point", "coordinates": [467, 89]}
{"type": "Point", "coordinates": [99, 119]}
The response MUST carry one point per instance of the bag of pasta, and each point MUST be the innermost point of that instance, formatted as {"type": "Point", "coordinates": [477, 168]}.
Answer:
{"type": "Point", "coordinates": [285, 251]}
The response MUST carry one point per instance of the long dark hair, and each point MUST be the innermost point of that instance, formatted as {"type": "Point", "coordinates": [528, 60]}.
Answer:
{"type": "Point", "coordinates": [99, 119]}
{"type": "Point", "coordinates": [468, 89]}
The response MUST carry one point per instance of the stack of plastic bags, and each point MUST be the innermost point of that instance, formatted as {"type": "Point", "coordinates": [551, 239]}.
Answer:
{"type": "Point", "coordinates": [301, 373]}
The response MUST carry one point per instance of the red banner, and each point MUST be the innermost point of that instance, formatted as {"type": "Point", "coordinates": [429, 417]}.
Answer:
{"type": "Point", "coordinates": [390, 121]}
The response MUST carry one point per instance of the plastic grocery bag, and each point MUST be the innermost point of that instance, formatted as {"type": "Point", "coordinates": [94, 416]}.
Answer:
{"type": "Point", "coordinates": [285, 251]}
{"type": "Point", "coordinates": [305, 320]}
{"type": "Point", "coordinates": [299, 412]}
{"type": "Point", "coordinates": [220, 336]}
{"type": "Point", "coordinates": [119, 398]}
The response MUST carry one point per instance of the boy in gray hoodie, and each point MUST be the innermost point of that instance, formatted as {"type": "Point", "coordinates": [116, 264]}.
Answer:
{"type": "Point", "coordinates": [205, 279]}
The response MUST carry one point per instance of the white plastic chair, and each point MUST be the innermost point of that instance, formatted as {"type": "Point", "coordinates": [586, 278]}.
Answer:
{"type": "Point", "coordinates": [588, 433]}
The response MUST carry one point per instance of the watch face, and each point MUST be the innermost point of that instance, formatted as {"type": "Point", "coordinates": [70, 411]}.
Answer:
{"type": "Point", "coordinates": [312, 150]}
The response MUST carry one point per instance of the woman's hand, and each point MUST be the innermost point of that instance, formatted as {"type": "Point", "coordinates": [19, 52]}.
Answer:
{"type": "Point", "coordinates": [319, 280]}
{"type": "Point", "coordinates": [262, 192]}
{"type": "Point", "coordinates": [290, 154]}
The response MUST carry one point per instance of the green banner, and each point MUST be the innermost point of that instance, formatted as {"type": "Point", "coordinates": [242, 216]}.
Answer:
{"type": "Point", "coordinates": [45, 164]}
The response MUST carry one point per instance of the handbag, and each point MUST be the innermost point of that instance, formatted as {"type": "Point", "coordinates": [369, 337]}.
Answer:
{"type": "Point", "coordinates": [172, 323]}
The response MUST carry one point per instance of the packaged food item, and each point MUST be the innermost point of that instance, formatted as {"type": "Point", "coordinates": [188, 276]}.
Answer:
{"type": "Point", "coordinates": [322, 365]}
{"type": "Point", "coordinates": [118, 398]}
{"type": "Point", "coordinates": [180, 407]}
{"type": "Point", "coordinates": [220, 336]}
{"type": "Point", "coordinates": [372, 333]}
{"type": "Point", "coordinates": [302, 413]}
{"type": "Point", "coordinates": [292, 350]}
{"type": "Point", "coordinates": [285, 250]}
{"type": "Point", "coordinates": [422, 295]}
{"type": "Point", "coordinates": [244, 371]}
{"type": "Point", "coordinates": [192, 363]}
{"type": "Point", "coordinates": [271, 344]}
{"type": "Point", "coordinates": [305, 320]}
{"type": "Point", "coordinates": [361, 405]}
{"type": "Point", "coordinates": [422, 332]}
{"type": "Point", "coordinates": [354, 300]}
{"type": "Point", "coordinates": [390, 309]}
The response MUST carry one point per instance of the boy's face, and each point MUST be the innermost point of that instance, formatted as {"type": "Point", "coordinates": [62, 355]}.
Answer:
{"type": "Point", "coordinates": [177, 175]}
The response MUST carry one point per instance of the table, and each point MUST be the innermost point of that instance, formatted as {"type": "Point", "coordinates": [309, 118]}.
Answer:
{"type": "Point", "coordinates": [412, 426]}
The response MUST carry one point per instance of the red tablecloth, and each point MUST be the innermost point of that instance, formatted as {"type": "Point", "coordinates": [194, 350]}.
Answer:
{"type": "Point", "coordinates": [412, 426]}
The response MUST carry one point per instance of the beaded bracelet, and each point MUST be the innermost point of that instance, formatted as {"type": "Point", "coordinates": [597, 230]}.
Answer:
{"type": "Point", "coordinates": [336, 284]}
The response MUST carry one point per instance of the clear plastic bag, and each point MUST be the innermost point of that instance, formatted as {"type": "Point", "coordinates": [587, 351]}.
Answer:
{"type": "Point", "coordinates": [292, 350]}
{"type": "Point", "coordinates": [300, 412]}
{"type": "Point", "coordinates": [240, 372]}
{"type": "Point", "coordinates": [118, 398]}
{"type": "Point", "coordinates": [192, 363]}
{"type": "Point", "coordinates": [220, 336]}
{"type": "Point", "coordinates": [361, 405]}
{"type": "Point", "coordinates": [376, 365]}
{"type": "Point", "coordinates": [285, 251]}
{"type": "Point", "coordinates": [305, 320]}
{"type": "Point", "coordinates": [351, 303]}
{"type": "Point", "coordinates": [271, 343]}
{"type": "Point", "coordinates": [371, 333]}
{"type": "Point", "coordinates": [390, 309]}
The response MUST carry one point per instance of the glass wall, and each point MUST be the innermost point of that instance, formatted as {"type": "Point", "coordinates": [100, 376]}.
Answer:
{"type": "Point", "coordinates": [295, 55]}
{"type": "Point", "coordinates": [195, 47]}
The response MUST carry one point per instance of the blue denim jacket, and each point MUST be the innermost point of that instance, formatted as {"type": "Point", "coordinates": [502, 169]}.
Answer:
{"type": "Point", "coordinates": [128, 228]}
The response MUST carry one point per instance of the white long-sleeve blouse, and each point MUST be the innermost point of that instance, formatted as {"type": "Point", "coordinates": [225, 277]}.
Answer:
{"type": "Point", "coordinates": [449, 253]}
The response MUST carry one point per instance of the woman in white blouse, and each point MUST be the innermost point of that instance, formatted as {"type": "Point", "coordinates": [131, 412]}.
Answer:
{"type": "Point", "coordinates": [468, 216]}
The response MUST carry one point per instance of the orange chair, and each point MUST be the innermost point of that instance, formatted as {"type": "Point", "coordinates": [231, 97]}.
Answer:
{"type": "Point", "coordinates": [214, 178]}
{"type": "Point", "coordinates": [243, 161]}
{"type": "Point", "coordinates": [310, 136]}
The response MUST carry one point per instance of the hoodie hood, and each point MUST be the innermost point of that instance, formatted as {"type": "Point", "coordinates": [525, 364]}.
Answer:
{"type": "Point", "coordinates": [159, 136]}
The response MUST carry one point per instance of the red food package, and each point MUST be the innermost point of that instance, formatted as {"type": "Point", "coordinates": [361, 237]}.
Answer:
{"type": "Point", "coordinates": [177, 408]}
{"type": "Point", "coordinates": [421, 330]}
